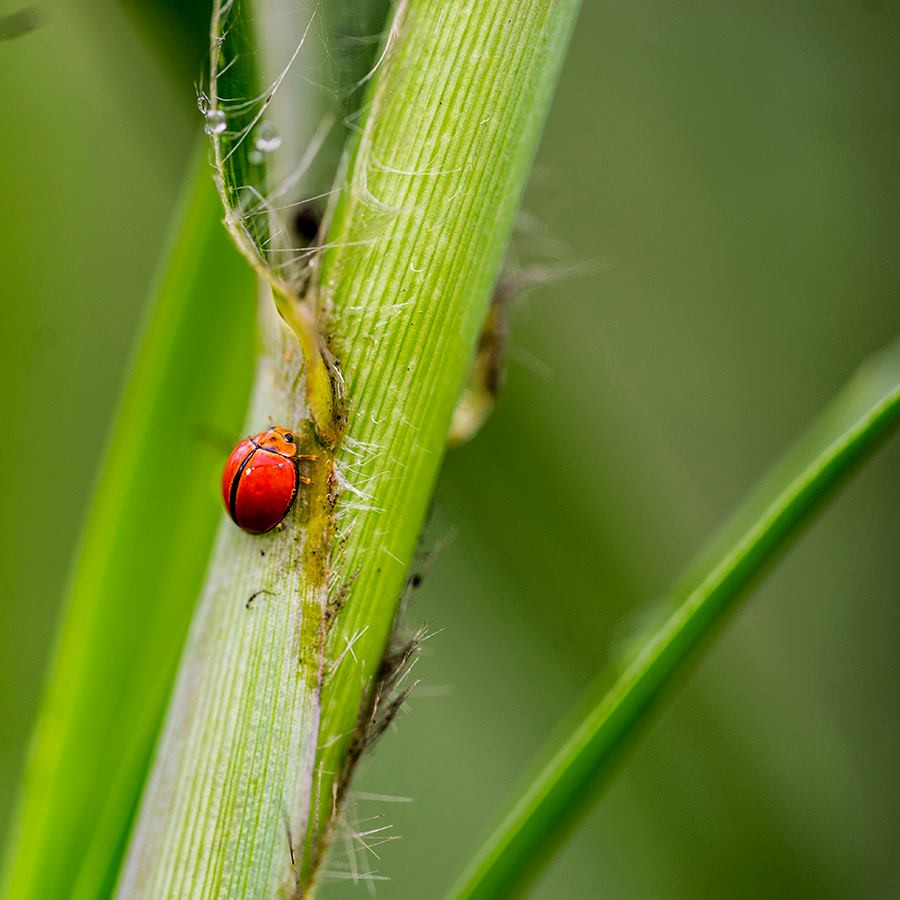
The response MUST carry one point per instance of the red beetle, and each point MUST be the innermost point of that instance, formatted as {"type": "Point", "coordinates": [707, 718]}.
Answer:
{"type": "Point", "coordinates": [260, 479]}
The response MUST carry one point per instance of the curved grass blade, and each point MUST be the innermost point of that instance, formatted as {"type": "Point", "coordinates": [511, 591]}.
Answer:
{"type": "Point", "coordinates": [140, 564]}
{"type": "Point", "coordinates": [273, 162]}
{"type": "Point", "coordinates": [866, 409]}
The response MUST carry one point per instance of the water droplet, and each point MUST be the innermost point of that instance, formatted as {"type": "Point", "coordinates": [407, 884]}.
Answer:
{"type": "Point", "coordinates": [267, 138]}
{"type": "Point", "coordinates": [215, 121]}
{"type": "Point", "coordinates": [255, 157]}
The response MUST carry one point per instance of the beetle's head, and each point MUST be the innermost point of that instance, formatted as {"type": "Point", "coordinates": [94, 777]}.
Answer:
{"type": "Point", "coordinates": [280, 440]}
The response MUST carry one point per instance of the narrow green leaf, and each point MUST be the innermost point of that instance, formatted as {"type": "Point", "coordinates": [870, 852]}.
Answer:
{"type": "Point", "coordinates": [862, 413]}
{"type": "Point", "coordinates": [140, 564]}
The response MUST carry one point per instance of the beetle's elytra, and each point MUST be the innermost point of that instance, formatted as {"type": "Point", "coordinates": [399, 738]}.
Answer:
{"type": "Point", "coordinates": [260, 479]}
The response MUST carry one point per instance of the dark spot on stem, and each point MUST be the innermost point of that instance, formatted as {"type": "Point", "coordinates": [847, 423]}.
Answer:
{"type": "Point", "coordinates": [307, 221]}
{"type": "Point", "coordinates": [256, 594]}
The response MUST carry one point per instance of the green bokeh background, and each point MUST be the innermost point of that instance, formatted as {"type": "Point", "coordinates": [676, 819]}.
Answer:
{"type": "Point", "coordinates": [733, 166]}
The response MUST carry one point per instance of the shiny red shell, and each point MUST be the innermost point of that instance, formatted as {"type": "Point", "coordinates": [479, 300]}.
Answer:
{"type": "Point", "coordinates": [259, 482]}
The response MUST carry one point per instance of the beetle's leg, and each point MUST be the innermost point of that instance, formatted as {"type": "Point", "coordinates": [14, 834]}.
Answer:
{"type": "Point", "coordinates": [307, 457]}
{"type": "Point", "coordinates": [304, 480]}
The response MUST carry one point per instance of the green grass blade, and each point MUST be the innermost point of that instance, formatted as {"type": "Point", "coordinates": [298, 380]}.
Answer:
{"type": "Point", "coordinates": [862, 413]}
{"type": "Point", "coordinates": [140, 564]}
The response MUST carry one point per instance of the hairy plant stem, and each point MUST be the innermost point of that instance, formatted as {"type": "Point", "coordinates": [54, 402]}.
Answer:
{"type": "Point", "coordinates": [436, 176]}
{"type": "Point", "coordinates": [275, 702]}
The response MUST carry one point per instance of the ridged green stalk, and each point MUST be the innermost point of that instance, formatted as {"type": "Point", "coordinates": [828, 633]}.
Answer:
{"type": "Point", "coordinates": [436, 179]}
{"type": "Point", "coordinates": [274, 702]}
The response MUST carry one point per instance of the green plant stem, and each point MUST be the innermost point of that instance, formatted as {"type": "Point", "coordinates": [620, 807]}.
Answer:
{"type": "Point", "coordinates": [230, 780]}
{"type": "Point", "coordinates": [420, 233]}
{"type": "Point", "coordinates": [862, 414]}
{"type": "Point", "coordinates": [262, 730]}
{"type": "Point", "coordinates": [139, 566]}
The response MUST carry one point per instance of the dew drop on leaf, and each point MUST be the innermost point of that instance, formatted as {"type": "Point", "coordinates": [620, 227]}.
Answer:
{"type": "Point", "coordinates": [267, 138]}
{"type": "Point", "coordinates": [215, 121]}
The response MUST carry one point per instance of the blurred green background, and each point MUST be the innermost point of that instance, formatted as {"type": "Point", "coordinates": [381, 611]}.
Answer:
{"type": "Point", "coordinates": [734, 166]}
